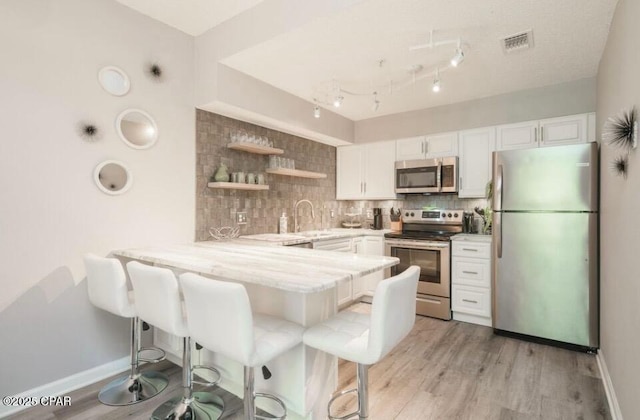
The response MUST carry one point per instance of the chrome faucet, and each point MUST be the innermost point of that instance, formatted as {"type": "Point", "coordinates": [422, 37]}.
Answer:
{"type": "Point", "coordinates": [296, 227]}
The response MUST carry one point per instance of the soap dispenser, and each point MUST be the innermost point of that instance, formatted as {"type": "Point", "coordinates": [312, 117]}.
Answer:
{"type": "Point", "coordinates": [283, 223]}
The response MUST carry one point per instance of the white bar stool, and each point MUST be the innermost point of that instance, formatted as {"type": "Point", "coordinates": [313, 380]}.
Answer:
{"type": "Point", "coordinates": [158, 302]}
{"type": "Point", "coordinates": [365, 339]}
{"type": "Point", "coordinates": [107, 288]}
{"type": "Point", "coordinates": [220, 319]}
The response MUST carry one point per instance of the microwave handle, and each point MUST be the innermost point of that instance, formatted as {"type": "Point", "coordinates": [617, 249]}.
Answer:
{"type": "Point", "coordinates": [439, 176]}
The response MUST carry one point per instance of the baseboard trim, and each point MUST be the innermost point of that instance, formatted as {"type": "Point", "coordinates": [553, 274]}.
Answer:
{"type": "Point", "coordinates": [70, 383]}
{"type": "Point", "coordinates": [614, 407]}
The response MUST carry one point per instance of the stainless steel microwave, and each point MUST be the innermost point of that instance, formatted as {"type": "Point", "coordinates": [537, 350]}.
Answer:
{"type": "Point", "coordinates": [439, 175]}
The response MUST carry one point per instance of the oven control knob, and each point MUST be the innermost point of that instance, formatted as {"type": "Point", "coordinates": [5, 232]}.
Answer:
{"type": "Point", "coordinates": [455, 214]}
{"type": "Point", "coordinates": [449, 214]}
{"type": "Point", "coordinates": [444, 214]}
{"type": "Point", "coordinates": [407, 214]}
{"type": "Point", "coordinates": [412, 214]}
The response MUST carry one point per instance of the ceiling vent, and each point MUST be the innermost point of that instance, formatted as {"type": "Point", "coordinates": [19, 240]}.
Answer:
{"type": "Point", "coordinates": [518, 42]}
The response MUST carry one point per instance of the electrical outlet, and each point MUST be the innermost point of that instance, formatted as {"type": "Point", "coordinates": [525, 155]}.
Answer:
{"type": "Point", "coordinates": [369, 213]}
{"type": "Point", "coordinates": [241, 218]}
{"type": "Point", "coordinates": [332, 213]}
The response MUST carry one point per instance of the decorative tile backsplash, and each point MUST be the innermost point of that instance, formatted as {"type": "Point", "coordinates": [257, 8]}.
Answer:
{"type": "Point", "coordinates": [218, 207]}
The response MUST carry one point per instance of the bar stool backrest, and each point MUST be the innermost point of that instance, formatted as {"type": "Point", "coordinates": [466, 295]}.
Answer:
{"type": "Point", "coordinates": [107, 285]}
{"type": "Point", "coordinates": [219, 315]}
{"type": "Point", "coordinates": [157, 297]}
{"type": "Point", "coordinates": [393, 311]}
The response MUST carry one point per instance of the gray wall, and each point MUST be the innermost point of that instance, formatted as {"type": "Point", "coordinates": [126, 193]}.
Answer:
{"type": "Point", "coordinates": [51, 212]}
{"type": "Point", "coordinates": [550, 101]}
{"type": "Point", "coordinates": [619, 88]}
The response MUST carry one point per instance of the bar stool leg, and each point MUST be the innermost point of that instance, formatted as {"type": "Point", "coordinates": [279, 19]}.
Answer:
{"type": "Point", "coordinates": [135, 387]}
{"type": "Point", "coordinates": [249, 394]}
{"type": "Point", "coordinates": [190, 405]}
{"type": "Point", "coordinates": [363, 391]}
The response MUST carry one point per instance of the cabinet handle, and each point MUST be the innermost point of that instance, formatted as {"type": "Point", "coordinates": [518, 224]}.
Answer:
{"type": "Point", "coordinates": [469, 301]}
{"type": "Point", "coordinates": [361, 187]}
{"type": "Point", "coordinates": [541, 134]}
{"type": "Point", "coordinates": [469, 249]}
{"type": "Point", "coordinates": [426, 147]}
{"type": "Point", "coordinates": [535, 134]}
{"type": "Point", "coordinates": [365, 187]}
{"type": "Point", "coordinates": [422, 147]}
{"type": "Point", "coordinates": [469, 272]}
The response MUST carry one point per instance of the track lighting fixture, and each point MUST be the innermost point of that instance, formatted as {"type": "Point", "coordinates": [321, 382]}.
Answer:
{"type": "Point", "coordinates": [316, 111]}
{"type": "Point", "coordinates": [458, 58]}
{"type": "Point", "coordinates": [338, 101]}
{"type": "Point", "coordinates": [436, 82]}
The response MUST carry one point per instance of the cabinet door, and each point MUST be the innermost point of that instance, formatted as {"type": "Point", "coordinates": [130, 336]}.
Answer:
{"type": "Point", "coordinates": [410, 148]}
{"type": "Point", "coordinates": [442, 145]}
{"type": "Point", "coordinates": [563, 130]}
{"type": "Point", "coordinates": [476, 147]}
{"type": "Point", "coordinates": [379, 170]}
{"type": "Point", "coordinates": [373, 245]}
{"type": "Point", "coordinates": [359, 283]}
{"type": "Point", "coordinates": [517, 136]}
{"type": "Point", "coordinates": [349, 183]}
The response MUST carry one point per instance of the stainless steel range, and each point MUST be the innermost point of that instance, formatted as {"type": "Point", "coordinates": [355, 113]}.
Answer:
{"type": "Point", "coordinates": [425, 242]}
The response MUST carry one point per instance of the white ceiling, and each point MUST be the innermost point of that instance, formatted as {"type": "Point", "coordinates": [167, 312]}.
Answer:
{"type": "Point", "coordinates": [191, 16]}
{"type": "Point", "coordinates": [569, 37]}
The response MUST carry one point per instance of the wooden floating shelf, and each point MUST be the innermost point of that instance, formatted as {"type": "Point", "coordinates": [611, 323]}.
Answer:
{"type": "Point", "coordinates": [296, 172]}
{"type": "Point", "coordinates": [254, 148]}
{"type": "Point", "coordinates": [237, 186]}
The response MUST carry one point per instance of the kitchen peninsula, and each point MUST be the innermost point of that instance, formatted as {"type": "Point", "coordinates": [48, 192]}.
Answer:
{"type": "Point", "coordinates": [293, 283]}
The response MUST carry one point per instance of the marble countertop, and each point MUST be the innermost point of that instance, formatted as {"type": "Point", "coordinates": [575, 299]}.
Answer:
{"type": "Point", "coordinates": [292, 269]}
{"type": "Point", "coordinates": [312, 236]}
{"type": "Point", "coordinates": [471, 237]}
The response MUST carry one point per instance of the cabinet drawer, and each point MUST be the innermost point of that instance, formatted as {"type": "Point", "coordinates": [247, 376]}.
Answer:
{"type": "Point", "coordinates": [342, 245]}
{"type": "Point", "coordinates": [471, 300]}
{"type": "Point", "coordinates": [471, 249]}
{"type": "Point", "coordinates": [471, 271]}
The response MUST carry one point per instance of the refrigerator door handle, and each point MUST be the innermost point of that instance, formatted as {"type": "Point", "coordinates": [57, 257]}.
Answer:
{"type": "Point", "coordinates": [497, 230]}
{"type": "Point", "coordinates": [497, 190]}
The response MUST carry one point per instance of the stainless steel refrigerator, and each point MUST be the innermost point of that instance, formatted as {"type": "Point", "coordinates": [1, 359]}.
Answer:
{"type": "Point", "coordinates": [545, 244]}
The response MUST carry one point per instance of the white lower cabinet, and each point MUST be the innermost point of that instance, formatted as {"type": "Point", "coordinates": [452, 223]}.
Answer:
{"type": "Point", "coordinates": [345, 291]}
{"type": "Point", "coordinates": [371, 245]}
{"type": "Point", "coordinates": [471, 280]}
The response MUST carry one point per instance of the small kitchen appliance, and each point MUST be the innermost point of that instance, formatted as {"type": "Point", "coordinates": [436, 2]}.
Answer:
{"type": "Point", "coordinates": [377, 218]}
{"type": "Point", "coordinates": [425, 241]}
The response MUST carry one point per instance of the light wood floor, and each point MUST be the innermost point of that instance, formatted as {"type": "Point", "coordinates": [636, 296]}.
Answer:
{"type": "Point", "coordinates": [442, 370]}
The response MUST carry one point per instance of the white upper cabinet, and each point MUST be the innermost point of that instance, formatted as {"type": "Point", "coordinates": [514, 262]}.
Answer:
{"type": "Point", "coordinates": [476, 147]}
{"type": "Point", "coordinates": [349, 172]}
{"type": "Point", "coordinates": [427, 147]}
{"type": "Point", "coordinates": [522, 135]}
{"type": "Point", "coordinates": [563, 130]}
{"type": "Point", "coordinates": [544, 133]}
{"type": "Point", "coordinates": [366, 171]}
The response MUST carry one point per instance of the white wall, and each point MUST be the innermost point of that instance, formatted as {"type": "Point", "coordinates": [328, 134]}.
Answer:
{"type": "Point", "coordinates": [549, 101]}
{"type": "Point", "coordinates": [619, 88]}
{"type": "Point", "coordinates": [51, 213]}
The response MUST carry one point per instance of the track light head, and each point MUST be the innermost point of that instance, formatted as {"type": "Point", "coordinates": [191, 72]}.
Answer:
{"type": "Point", "coordinates": [376, 102]}
{"type": "Point", "coordinates": [436, 85]}
{"type": "Point", "coordinates": [316, 111]}
{"type": "Point", "coordinates": [338, 101]}
{"type": "Point", "coordinates": [458, 57]}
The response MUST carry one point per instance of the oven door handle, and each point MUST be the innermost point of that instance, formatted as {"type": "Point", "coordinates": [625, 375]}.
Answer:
{"type": "Point", "coordinates": [415, 245]}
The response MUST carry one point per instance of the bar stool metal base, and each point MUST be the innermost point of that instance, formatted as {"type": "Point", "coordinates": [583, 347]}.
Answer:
{"type": "Point", "coordinates": [362, 391]}
{"type": "Point", "coordinates": [203, 405]}
{"type": "Point", "coordinates": [129, 390]}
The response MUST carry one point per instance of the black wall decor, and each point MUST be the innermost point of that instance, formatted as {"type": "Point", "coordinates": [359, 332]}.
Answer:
{"type": "Point", "coordinates": [622, 131]}
{"type": "Point", "coordinates": [89, 131]}
{"type": "Point", "coordinates": [620, 166]}
{"type": "Point", "coordinates": [155, 71]}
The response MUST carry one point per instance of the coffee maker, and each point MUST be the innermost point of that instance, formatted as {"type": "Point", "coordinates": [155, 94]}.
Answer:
{"type": "Point", "coordinates": [377, 218]}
